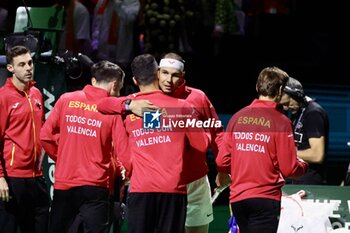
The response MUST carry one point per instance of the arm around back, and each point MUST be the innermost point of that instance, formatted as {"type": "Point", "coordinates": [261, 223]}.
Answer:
{"type": "Point", "coordinates": [111, 105]}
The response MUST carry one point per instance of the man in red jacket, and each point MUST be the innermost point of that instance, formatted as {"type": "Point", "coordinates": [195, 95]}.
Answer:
{"type": "Point", "coordinates": [258, 150]}
{"type": "Point", "coordinates": [82, 141]}
{"type": "Point", "coordinates": [23, 190]}
{"type": "Point", "coordinates": [157, 198]}
{"type": "Point", "coordinates": [171, 80]}
{"type": "Point", "coordinates": [171, 75]}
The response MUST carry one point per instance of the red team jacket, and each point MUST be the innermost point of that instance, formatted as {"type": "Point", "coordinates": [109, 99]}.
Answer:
{"type": "Point", "coordinates": [79, 138]}
{"type": "Point", "coordinates": [258, 151]}
{"type": "Point", "coordinates": [157, 155]}
{"type": "Point", "coordinates": [21, 118]}
{"type": "Point", "coordinates": [196, 165]}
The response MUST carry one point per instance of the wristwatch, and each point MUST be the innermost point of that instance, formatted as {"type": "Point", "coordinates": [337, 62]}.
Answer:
{"type": "Point", "coordinates": [127, 104]}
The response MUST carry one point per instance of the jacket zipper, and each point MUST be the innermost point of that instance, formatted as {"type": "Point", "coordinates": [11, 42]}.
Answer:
{"type": "Point", "coordinates": [34, 130]}
{"type": "Point", "coordinates": [12, 154]}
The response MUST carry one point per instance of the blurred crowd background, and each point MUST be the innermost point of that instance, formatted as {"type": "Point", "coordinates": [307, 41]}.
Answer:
{"type": "Point", "coordinates": [308, 39]}
{"type": "Point", "coordinates": [225, 43]}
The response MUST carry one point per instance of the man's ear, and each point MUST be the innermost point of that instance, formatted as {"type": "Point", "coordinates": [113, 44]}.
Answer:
{"type": "Point", "coordinates": [10, 68]}
{"type": "Point", "coordinates": [117, 85]}
{"type": "Point", "coordinates": [135, 82]}
{"type": "Point", "coordinates": [93, 81]}
{"type": "Point", "coordinates": [183, 74]}
{"type": "Point", "coordinates": [280, 93]}
{"type": "Point", "coordinates": [183, 77]}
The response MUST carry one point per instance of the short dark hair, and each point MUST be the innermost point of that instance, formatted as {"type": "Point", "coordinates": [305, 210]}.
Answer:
{"type": "Point", "coordinates": [144, 68]}
{"type": "Point", "coordinates": [16, 51]}
{"type": "Point", "coordinates": [270, 80]}
{"type": "Point", "coordinates": [106, 71]}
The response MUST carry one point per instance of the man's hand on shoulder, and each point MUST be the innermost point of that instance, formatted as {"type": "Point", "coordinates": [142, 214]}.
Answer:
{"type": "Point", "coordinates": [138, 107]}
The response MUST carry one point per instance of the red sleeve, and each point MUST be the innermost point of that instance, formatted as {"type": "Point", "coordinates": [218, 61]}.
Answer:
{"type": "Point", "coordinates": [207, 111]}
{"type": "Point", "coordinates": [121, 145]}
{"type": "Point", "coordinates": [111, 105]}
{"type": "Point", "coordinates": [1, 165]}
{"type": "Point", "coordinates": [198, 138]}
{"type": "Point", "coordinates": [119, 165]}
{"type": "Point", "coordinates": [3, 120]}
{"type": "Point", "coordinates": [290, 165]}
{"type": "Point", "coordinates": [116, 168]}
{"type": "Point", "coordinates": [223, 159]}
{"type": "Point", "coordinates": [49, 134]}
{"type": "Point", "coordinates": [215, 133]}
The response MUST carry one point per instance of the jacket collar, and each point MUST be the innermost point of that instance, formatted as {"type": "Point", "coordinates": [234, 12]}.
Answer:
{"type": "Point", "coordinates": [95, 92]}
{"type": "Point", "coordinates": [264, 103]}
{"type": "Point", "coordinates": [9, 84]}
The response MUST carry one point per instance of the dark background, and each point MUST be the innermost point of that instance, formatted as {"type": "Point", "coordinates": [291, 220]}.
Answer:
{"type": "Point", "coordinates": [311, 44]}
